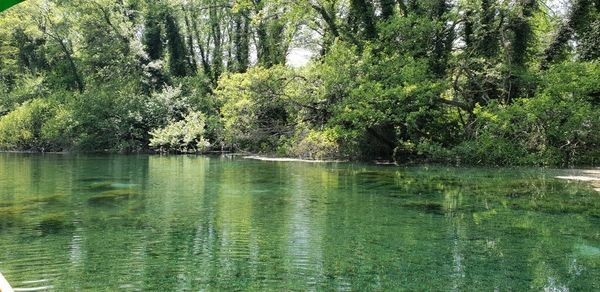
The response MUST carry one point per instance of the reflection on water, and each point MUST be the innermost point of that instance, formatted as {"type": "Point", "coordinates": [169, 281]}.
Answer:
{"type": "Point", "coordinates": [80, 222]}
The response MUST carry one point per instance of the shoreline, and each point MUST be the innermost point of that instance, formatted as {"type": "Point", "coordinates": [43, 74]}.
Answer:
{"type": "Point", "coordinates": [589, 176]}
{"type": "Point", "coordinates": [289, 159]}
{"type": "Point", "coordinates": [579, 172]}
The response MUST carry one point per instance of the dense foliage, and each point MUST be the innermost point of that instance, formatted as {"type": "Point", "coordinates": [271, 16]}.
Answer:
{"type": "Point", "coordinates": [476, 81]}
{"type": "Point", "coordinates": [185, 136]}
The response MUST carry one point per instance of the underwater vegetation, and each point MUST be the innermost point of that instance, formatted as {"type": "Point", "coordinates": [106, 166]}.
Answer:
{"type": "Point", "coordinates": [47, 199]}
{"type": "Point", "coordinates": [11, 215]}
{"type": "Point", "coordinates": [108, 185]}
{"type": "Point", "coordinates": [107, 191]}
{"type": "Point", "coordinates": [425, 206]}
{"type": "Point", "coordinates": [54, 223]}
{"type": "Point", "coordinates": [479, 194]}
{"type": "Point", "coordinates": [31, 211]}
{"type": "Point", "coordinates": [109, 197]}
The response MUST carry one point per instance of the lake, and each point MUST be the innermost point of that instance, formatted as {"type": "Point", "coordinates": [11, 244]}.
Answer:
{"type": "Point", "coordinates": [189, 223]}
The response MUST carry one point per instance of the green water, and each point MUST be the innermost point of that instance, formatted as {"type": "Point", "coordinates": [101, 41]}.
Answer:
{"type": "Point", "coordinates": [185, 223]}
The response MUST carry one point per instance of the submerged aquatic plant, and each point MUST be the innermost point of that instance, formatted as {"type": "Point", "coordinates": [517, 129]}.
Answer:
{"type": "Point", "coordinates": [53, 223]}
{"type": "Point", "coordinates": [109, 197]}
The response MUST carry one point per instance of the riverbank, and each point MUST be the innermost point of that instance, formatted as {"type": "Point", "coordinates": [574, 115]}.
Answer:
{"type": "Point", "coordinates": [591, 176]}
{"type": "Point", "coordinates": [584, 174]}
{"type": "Point", "coordinates": [288, 159]}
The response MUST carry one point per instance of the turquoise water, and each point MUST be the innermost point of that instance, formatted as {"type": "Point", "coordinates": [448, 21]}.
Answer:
{"type": "Point", "coordinates": [181, 223]}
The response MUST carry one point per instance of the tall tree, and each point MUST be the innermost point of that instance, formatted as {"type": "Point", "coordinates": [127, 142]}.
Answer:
{"type": "Point", "coordinates": [361, 19]}
{"type": "Point", "coordinates": [178, 59]}
{"type": "Point", "coordinates": [152, 38]}
{"type": "Point", "coordinates": [578, 20]}
{"type": "Point", "coordinates": [241, 40]}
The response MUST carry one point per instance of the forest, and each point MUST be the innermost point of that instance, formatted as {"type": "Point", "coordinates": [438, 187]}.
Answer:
{"type": "Point", "coordinates": [490, 82]}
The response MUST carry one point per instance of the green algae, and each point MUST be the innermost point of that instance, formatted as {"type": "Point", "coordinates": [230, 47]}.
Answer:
{"type": "Point", "coordinates": [587, 250]}
{"type": "Point", "coordinates": [13, 215]}
{"type": "Point", "coordinates": [17, 212]}
{"type": "Point", "coordinates": [100, 186]}
{"type": "Point", "coordinates": [47, 199]}
{"type": "Point", "coordinates": [15, 209]}
{"type": "Point", "coordinates": [593, 213]}
{"type": "Point", "coordinates": [112, 196]}
{"type": "Point", "coordinates": [93, 179]}
{"type": "Point", "coordinates": [425, 206]}
{"type": "Point", "coordinates": [7, 204]}
{"type": "Point", "coordinates": [122, 185]}
{"type": "Point", "coordinates": [53, 223]}
{"type": "Point", "coordinates": [109, 185]}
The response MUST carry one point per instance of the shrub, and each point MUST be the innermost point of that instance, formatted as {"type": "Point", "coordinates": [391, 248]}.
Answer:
{"type": "Point", "coordinates": [559, 125]}
{"type": "Point", "coordinates": [58, 130]}
{"type": "Point", "coordinates": [185, 136]}
{"type": "Point", "coordinates": [313, 144]}
{"type": "Point", "coordinates": [36, 125]}
{"type": "Point", "coordinates": [256, 108]}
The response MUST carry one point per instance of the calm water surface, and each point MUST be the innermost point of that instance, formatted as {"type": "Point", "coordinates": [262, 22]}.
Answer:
{"type": "Point", "coordinates": [186, 223]}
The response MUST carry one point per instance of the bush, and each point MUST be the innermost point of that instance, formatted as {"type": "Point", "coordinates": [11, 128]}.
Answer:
{"type": "Point", "coordinates": [185, 136]}
{"type": "Point", "coordinates": [537, 131]}
{"type": "Point", "coordinates": [256, 109]}
{"type": "Point", "coordinates": [58, 130]}
{"type": "Point", "coordinates": [38, 125]}
{"type": "Point", "coordinates": [559, 125]}
{"type": "Point", "coordinates": [100, 115]}
{"type": "Point", "coordinates": [27, 88]}
{"type": "Point", "coordinates": [314, 144]}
